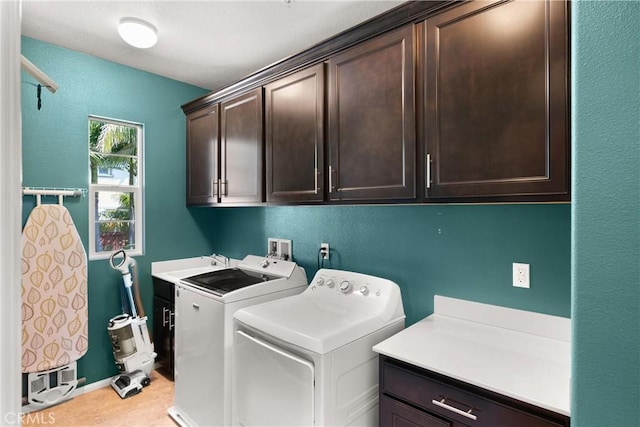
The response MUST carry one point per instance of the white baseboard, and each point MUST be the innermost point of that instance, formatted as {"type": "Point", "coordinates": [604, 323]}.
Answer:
{"type": "Point", "coordinates": [93, 386]}
{"type": "Point", "coordinates": [25, 409]}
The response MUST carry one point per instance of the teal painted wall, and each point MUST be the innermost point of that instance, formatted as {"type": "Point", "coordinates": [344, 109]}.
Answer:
{"type": "Point", "coordinates": [55, 154]}
{"type": "Point", "coordinates": [459, 251]}
{"type": "Point", "coordinates": [606, 214]}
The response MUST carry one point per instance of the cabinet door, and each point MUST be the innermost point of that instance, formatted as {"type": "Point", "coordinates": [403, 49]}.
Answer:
{"type": "Point", "coordinates": [496, 101]}
{"type": "Point", "coordinates": [241, 148]}
{"type": "Point", "coordinates": [372, 119]}
{"type": "Point", "coordinates": [202, 156]}
{"type": "Point", "coordinates": [295, 137]}
{"type": "Point", "coordinates": [163, 333]}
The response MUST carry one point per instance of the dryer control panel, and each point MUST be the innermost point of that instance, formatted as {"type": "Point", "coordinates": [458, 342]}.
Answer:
{"type": "Point", "coordinates": [356, 291]}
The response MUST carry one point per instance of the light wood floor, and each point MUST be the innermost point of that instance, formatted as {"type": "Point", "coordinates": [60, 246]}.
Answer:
{"type": "Point", "coordinates": [103, 407]}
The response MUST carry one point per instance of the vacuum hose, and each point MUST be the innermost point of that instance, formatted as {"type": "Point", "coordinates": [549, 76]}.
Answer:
{"type": "Point", "coordinates": [123, 267]}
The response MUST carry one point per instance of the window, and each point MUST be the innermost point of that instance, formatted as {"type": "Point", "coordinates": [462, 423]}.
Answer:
{"type": "Point", "coordinates": [115, 187]}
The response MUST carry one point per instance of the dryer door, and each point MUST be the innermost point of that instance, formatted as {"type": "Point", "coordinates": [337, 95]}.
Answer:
{"type": "Point", "coordinates": [272, 387]}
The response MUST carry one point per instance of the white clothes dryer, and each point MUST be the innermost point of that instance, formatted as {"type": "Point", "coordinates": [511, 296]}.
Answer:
{"type": "Point", "coordinates": [307, 360]}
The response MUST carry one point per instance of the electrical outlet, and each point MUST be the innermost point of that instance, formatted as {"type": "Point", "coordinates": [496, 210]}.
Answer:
{"type": "Point", "coordinates": [520, 275]}
{"type": "Point", "coordinates": [324, 250]}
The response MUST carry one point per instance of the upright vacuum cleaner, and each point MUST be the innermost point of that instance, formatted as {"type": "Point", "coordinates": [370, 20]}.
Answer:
{"type": "Point", "coordinates": [132, 349]}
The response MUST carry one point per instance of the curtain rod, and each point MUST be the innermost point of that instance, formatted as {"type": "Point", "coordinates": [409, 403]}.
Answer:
{"type": "Point", "coordinates": [38, 74]}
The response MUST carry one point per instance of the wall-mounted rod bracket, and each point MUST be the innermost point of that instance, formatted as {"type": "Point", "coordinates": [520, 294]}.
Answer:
{"type": "Point", "coordinates": [40, 76]}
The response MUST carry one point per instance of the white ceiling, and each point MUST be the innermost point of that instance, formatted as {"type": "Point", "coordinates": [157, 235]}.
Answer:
{"type": "Point", "coordinates": [210, 44]}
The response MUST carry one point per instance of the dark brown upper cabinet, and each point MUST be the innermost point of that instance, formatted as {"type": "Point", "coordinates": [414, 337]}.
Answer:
{"type": "Point", "coordinates": [371, 126]}
{"type": "Point", "coordinates": [224, 152]}
{"type": "Point", "coordinates": [202, 156]}
{"type": "Point", "coordinates": [294, 137]}
{"type": "Point", "coordinates": [241, 153]}
{"type": "Point", "coordinates": [496, 91]}
{"type": "Point", "coordinates": [434, 101]}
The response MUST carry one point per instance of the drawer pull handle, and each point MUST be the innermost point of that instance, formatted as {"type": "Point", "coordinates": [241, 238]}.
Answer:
{"type": "Point", "coordinates": [196, 306]}
{"type": "Point", "coordinates": [441, 404]}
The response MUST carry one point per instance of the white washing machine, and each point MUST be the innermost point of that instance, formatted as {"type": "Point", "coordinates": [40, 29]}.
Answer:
{"type": "Point", "coordinates": [204, 308]}
{"type": "Point", "coordinates": [307, 360]}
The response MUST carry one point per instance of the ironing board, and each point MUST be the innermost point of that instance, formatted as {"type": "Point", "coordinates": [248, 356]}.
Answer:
{"type": "Point", "coordinates": [54, 303]}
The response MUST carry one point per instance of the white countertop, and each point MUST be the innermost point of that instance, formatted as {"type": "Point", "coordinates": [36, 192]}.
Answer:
{"type": "Point", "coordinates": [520, 354]}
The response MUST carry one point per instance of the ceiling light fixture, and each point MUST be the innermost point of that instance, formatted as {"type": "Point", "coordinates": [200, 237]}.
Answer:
{"type": "Point", "coordinates": [137, 32]}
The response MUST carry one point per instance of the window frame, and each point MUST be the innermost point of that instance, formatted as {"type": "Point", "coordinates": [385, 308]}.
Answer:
{"type": "Point", "coordinates": [137, 190]}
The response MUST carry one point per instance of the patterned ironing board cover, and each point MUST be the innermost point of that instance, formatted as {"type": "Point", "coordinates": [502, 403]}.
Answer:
{"type": "Point", "coordinates": [54, 290]}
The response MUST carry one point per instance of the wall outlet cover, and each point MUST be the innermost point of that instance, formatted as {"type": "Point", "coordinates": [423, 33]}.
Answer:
{"type": "Point", "coordinates": [324, 250]}
{"type": "Point", "coordinates": [521, 275]}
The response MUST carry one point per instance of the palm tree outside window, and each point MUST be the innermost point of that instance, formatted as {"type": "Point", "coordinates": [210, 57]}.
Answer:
{"type": "Point", "coordinates": [115, 187]}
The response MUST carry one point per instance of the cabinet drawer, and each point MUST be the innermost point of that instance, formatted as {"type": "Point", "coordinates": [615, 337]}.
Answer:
{"type": "Point", "coordinates": [163, 289]}
{"type": "Point", "coordinates": [396, 414]}
{"type": "Point", "coordinates": [453, 402]}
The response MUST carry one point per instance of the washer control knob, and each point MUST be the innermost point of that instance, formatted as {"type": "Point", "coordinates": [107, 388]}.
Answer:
{"type": "Point", "coordinates": [264, 264]}
{"type": "Point", "coordinates": [330, 283]}
{"type": "Point", "coordinates": [319, 281]}
{"type": "Point", "coordinates": [345, 287]}
{"type": "Point", "coordinates": [364, 291]}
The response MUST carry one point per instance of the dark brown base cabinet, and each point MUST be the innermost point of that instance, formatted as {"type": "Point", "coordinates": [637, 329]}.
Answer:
{"type": "Point", "coordinates": [497, 84]}
{"type": "Point", "coordinates": [411, 396]}
{"type": "Point", "coordinates": [163, 324]}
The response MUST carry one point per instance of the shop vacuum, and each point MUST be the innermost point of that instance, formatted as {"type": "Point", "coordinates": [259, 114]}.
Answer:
{"type": "Point", "coordinates": [132, 349]}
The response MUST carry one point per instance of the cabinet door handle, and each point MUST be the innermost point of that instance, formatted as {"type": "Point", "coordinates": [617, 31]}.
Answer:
{"type": "Point", "coordinates": [428, 168]}
{"type": "Point", "coordinates": [196, 306]}
{"type": "Point", "coordinates": [331, 172]}
{"type": "Point", "coordinates": [165, 310]}
{"type": "Point", "coordinates": [224, 188]}
{"type": "Point", "coordinates": [214, 188]}
{"type": "Point", "coordinates": [315, 171]}
{"type": "Point", "coordinates": [466, 414]}
{"type": "Point", "coordinates": [172, 317]}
